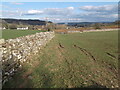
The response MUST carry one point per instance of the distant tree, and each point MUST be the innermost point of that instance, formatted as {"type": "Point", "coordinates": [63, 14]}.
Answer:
{"type": "Point", "coordinates": [31, 27]}
{"type": "Point", "coordinates": [12, 26]}
{"type": "Point", "coordinates": [49, 29]}
{"type": "Point", "coordinates": [49, 26]}
{"type": "Point", "coordinates": [117, 22]}
{"type": "Point", "coordinates": [97, 26]}
{"type": "Point", "coordinates": [4, 24]}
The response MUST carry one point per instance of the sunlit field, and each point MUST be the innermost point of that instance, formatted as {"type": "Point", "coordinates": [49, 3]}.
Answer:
{"type": "Point", "coordinates": [71, 61]}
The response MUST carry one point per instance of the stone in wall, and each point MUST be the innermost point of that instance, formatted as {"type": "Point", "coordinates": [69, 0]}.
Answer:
{"type": "Point", "coordinates": [17, 51]}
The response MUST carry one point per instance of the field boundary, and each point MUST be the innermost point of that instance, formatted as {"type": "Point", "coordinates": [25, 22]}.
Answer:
{"type": "Point", "coordinates": [97, 30]}
{"type": "Point", "coordinates": [17, 51]}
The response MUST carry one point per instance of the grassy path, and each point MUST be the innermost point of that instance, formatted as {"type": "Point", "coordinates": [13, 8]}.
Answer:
{"type": "Point", "coordinates": [72, 61]}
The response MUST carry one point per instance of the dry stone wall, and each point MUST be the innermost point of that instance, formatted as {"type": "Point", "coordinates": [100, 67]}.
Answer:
{"type": "Point", "coordinates": [17, 51]}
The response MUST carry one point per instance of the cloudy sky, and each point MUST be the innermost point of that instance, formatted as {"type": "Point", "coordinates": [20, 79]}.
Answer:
{"type": "Point", "coordinates": [61, 12]}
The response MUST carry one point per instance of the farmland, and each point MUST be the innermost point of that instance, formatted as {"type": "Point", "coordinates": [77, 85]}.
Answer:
{"type": "Point", "coordinates": [72, 61]}
{"type": "Point", "coordinates": [10, 34]}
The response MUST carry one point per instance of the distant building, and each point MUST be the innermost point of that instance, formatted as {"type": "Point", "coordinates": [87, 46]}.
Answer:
{"type": "Point", "coordinates": [22, 28]}
{"type": "Point", "coordinates": [4, 28]}
{"type": "Point", "coordinates": [67, 28]}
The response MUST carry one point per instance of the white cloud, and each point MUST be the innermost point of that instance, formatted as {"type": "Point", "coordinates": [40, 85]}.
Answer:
{"type": "Point", "coordinates": [109, 16]}
{"type": "Point", "coordinates": [3, 6]}
{"type": "Point", "coordinates": [17, 3]}
{"type": "Point", "coordinates": [69, 14]}
{"type": "Point", "coordinates": [62, 19]}
{"type": "Point", "coordinates": [71, 8]}
{"type": "Point", "coordinates": [115, 15]}
{"type": "Point", "coordinates": [52, 11]}
{"type": "Point", "coordinates": [35, 12]}
{"type": "Point", "coordinates": [8, 13]}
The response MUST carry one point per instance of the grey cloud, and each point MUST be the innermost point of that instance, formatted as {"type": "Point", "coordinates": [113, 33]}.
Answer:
{"type": "Point", "coordinates": [99, 13]}
{"type": "Point", "coordinates": [103, 8]}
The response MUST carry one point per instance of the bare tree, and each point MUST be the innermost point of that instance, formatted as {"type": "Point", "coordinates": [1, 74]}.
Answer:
{"type": "Point", "coordinates": [97, 26]}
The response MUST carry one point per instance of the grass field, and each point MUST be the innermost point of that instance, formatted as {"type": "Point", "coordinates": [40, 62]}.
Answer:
{"type": "Point", "coordinates": [9, 34]}
{"type": "Point", "coordinates": [72, 61]}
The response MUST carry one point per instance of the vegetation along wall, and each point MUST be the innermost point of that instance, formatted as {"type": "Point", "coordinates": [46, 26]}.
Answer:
{"type": "Point", "coordinates": [17, 51]}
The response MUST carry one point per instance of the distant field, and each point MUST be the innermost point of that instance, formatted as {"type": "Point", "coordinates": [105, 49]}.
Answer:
{"type": "Point", "coordinates": [73, 61]}
{"type": "Point", "coordinates": [9, 34]}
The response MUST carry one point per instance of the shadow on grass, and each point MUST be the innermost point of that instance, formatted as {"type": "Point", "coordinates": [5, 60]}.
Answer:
{"type": "Point", "coordinates": [26, 78]}
{"type": "Point", "coordinates": [45, 77]}
{"type": "Point", "coordinates": [96, 85]}
{"type": "Point", "coordinates": [39, 77]}
{"type": "Point", "coordinates": [17, 81]}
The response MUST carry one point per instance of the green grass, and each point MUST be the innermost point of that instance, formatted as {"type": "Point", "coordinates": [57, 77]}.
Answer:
{"type": "Point", "coordinates": [10, 34]}
{"type": "Point", "coordinates": [69, 67]}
